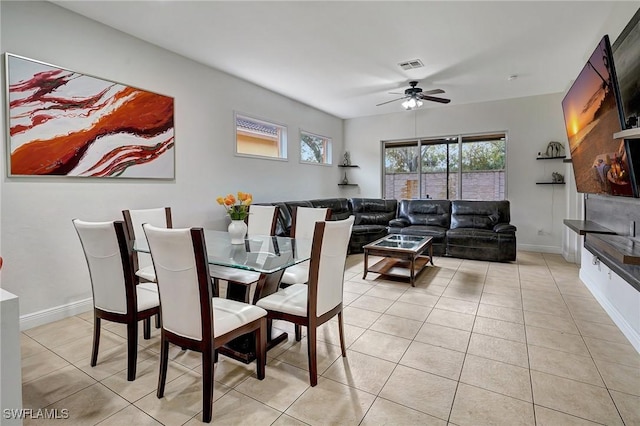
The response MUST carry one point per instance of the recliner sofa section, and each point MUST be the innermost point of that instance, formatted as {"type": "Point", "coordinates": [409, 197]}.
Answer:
{"type": "Point", "coordinates": [430, 218]}
{"type": "Point", "coordinates": [372, 217]}
{"type": "Point", "coordinates": [481, 230]}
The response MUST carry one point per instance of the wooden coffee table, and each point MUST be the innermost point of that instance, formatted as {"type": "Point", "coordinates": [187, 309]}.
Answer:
{"type": "Point", "coordinates": [402, 256]}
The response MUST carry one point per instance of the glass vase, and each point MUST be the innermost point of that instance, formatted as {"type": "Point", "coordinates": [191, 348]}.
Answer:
{"type": "Point", "coordinates": [237, 231]}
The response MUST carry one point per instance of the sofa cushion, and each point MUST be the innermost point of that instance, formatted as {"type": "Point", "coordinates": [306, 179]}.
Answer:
{"type": "Point", "coordinates": [373, 211]}
{"type": "Point", "coordinates": [504, 228]}
{"type": "Point", "coordinates": [399, 223]}
{"type": "Point", "coordinates": [481, 244]}
{"type": "Point", "coordinates": [479, 214]}
{"type": "Point", "coordinates": [422, 230]}
{"type": "Point", "coordinates": [339, 207]}
{"type": "Point", "coordinates": [426, 212]}
{"type": "Point", "coordinates": [368, 229]}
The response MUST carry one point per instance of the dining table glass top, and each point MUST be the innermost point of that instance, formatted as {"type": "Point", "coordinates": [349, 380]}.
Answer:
{"type": "Point", "coordinates": [259, 253]}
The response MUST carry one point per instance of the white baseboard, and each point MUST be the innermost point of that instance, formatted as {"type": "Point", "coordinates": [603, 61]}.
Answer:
{"type": "Point", "coordinates": [540, 249]}
{"type": "Point", "coordinates": [54, 314]}
{"type": "Point", "coordinates": [569, 256]}
{"type": "Point", "coordinates": [616, 317]}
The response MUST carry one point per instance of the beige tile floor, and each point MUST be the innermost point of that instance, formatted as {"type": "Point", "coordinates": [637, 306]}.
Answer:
{"type": "Point", "coordinates": [473, 343]}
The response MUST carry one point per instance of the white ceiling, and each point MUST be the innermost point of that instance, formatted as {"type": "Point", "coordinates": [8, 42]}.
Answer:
{"type": "Point", "coordinates": [342, 57]}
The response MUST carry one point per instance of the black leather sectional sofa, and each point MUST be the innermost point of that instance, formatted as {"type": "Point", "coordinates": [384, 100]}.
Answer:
{"type": "Point", "coordinates": [466, 229]}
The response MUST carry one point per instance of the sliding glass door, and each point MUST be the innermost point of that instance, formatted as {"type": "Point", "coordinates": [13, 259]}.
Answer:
{"type": "Point", "coordinates": [470, 167]}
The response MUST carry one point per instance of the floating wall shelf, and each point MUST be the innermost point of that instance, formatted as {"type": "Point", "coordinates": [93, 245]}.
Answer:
{"type": "Point", "coordinates": [550, 183]}
{"type": "Point", "coordinates": [583, 227]}
{"type": "Point", "coordinates": [551, 158]}
{"type": "Point", "coordinates": [628, 134]}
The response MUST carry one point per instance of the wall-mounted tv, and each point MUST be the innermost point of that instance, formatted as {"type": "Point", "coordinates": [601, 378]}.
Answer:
{"type": "Point", "coordinates": [592, 114]}
{"type": "Point", "coordinates": [626, 57]}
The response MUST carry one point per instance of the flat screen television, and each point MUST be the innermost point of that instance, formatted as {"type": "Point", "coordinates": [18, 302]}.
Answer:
{"type": "Point", "coordinates": [626, 57]}
{"type": "Point", "coordinates": [592, 114]}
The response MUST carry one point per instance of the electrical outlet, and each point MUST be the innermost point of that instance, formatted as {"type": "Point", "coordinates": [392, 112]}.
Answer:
{"type": "Point", "coordinates": [540, 231]}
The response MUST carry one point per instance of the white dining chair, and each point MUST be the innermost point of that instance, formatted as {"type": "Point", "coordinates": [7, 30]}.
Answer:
{"type": "Point", "coordinates": [316, 303]}
{"type": "Point", "coordinates": [116, 297]}
{"type": "Point", "coordinates": [261, 220]}
{"type": "Point", "coordinates": [302, 226]}
{"type": "Point", "coordinates": [133, 220]}
{"type": "Point", "coordinates": [191, 317]}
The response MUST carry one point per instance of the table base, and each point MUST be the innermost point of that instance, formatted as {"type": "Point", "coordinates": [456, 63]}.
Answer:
{"type": "Point", "coordinates": [243, 348]}
{"type": "Point", "coordinates": [400, 268]}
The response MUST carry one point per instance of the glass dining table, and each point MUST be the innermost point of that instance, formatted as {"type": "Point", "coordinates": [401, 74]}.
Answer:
{"type": "Point", "coordinates": [267, 255]}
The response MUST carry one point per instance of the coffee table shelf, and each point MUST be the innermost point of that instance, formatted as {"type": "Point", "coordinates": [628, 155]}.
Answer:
{"type": "Point", "coordinates": [399, 268]}
{"type": "Point", "coordinates": [402, 256]}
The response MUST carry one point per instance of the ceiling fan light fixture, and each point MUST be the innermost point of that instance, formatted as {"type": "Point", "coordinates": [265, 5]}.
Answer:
{"type": "Point", "coordinates": [412, 103]}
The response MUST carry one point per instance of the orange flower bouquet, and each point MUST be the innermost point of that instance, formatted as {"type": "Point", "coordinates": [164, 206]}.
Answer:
{"type": "Point", "coordinates": [237, 209]}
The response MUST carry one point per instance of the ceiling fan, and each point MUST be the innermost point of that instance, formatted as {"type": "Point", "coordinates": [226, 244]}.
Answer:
{"type": "Point", "coordinates": [414, 96]}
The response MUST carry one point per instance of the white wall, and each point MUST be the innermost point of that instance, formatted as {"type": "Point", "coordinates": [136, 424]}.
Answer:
{"type": "Point", "coordinates": [531, 123]}
{"type": "Point", "coordinates": [44, 264]}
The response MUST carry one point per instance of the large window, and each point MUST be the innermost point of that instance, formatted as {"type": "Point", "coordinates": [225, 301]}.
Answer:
{"type": "Point", "coordinates": [260, 138]}
{"type": "Point", "coordinates": [314, 148]}
{"type": "Point", "coordinates": [470, 167]}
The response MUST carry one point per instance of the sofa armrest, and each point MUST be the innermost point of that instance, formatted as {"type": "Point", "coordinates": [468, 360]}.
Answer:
{"type": "Point", "coordinates": [399, 223]}
{"type": "Point", "coordinates": [504, 228]}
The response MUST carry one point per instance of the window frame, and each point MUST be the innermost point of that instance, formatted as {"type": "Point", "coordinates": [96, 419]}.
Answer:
{"type": "Point", "coordinates": [283, 138]}
{"type": "Point", "coordinates": [328, 153]}
{"type": "Point", "coordinates": [418, 142]}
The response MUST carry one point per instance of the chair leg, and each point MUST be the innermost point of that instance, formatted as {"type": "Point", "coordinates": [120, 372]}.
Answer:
{"type": "Point", "coordinates": [147, 328]}
{"type": "Point", "coordinates": [132, 350]}
{"type": "Point", "coordinates": [96, 341]}
{"type": "Point", "coordinates": [158, 320]}
{"type": "Point", "coordinates": [207, 386]}
{"type": "Point", "coordinates": [313, 358]}
{"type": "Point", "coordinates": [216, 287]}
{"type": "Point", "coordinates": [261, 348]}
{"type": "Point", "coordinates": [298, 328]}
{"type": "Point", "coordinates": [341, 330]}
{"type": "Point", "coordinates": [164, 362]}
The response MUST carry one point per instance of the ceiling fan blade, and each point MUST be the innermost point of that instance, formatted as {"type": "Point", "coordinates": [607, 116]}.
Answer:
{"type": "Point", "coordinates": [393, 100]}
{"type": "Point", "coordinates": [432, 92]}
{"type": "Point", "coordinates": [434, 99]}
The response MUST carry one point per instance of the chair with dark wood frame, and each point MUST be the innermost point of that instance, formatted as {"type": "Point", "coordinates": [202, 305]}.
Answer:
{"type": "Point", "coordinates": [116, 297]}
{"type": "Point", "coordinates": [191, 317]}
{"type": "Point", "coordinates": [133, 220]}
{"type": "Point", "coordinates": [303, 224]}
{"type": "Point", "coordinates": [316, 303]}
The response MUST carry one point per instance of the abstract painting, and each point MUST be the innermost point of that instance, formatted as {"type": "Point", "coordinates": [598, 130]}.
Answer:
{"type": "Point", "coordinates": [64, 123]}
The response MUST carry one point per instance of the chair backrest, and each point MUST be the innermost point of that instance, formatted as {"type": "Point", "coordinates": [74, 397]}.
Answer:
{"type": "Point", "coordinates": [326, 268]}
{"type": "Point", "coordinates": [133, 219]}
{"type": "Point", "coordinates": [184, 285]}
{"type": "Point", "coordinates": [109, 260]}
{"type": "Point", "coordinates": [304, 220]}
{"type": "Point", "coordinates": [262, 220]}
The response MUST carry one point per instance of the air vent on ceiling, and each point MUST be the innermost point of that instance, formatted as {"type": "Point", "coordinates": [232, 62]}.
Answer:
{"type": "Point", "coordinates": [413, 63]}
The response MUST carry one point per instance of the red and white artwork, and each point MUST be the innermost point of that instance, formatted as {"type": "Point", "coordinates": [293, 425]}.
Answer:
{"type": "Point", "coordinates": [66, 123]}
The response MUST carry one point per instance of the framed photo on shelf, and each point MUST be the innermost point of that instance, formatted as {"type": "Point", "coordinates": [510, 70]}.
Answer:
{"type": "Point", "coordinates": [65, 123]}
